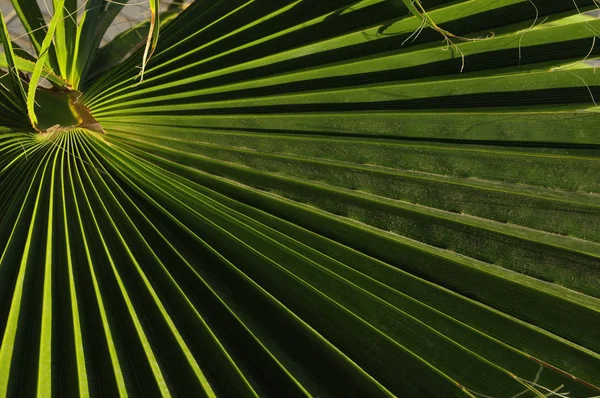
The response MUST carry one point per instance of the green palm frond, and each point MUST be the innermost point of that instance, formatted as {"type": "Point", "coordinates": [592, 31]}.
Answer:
{"type": "Point", "coordinates": [309, 198]}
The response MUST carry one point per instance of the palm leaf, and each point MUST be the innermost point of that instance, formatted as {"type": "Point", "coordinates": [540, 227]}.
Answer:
{"type": "Point", "coordinates": [315, 198]}
{"type": "Point", "coordinates": [44, 52]}
{"type": "Point", "coordinates": [13, 72]}
{"type": "Point", "coordinates": [65, 36]}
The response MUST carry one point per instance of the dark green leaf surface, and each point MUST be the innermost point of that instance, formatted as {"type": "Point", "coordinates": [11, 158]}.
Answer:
{"type": "Point", "coordinates": [307, 198]}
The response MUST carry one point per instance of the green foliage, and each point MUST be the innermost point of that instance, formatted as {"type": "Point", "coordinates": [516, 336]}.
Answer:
{"type": "Point", "coordinates": [16, 85]}
{"type": "Point", "coordinates": [44, 51]}
{"type": "Point", "coordinates": [303, 198]}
